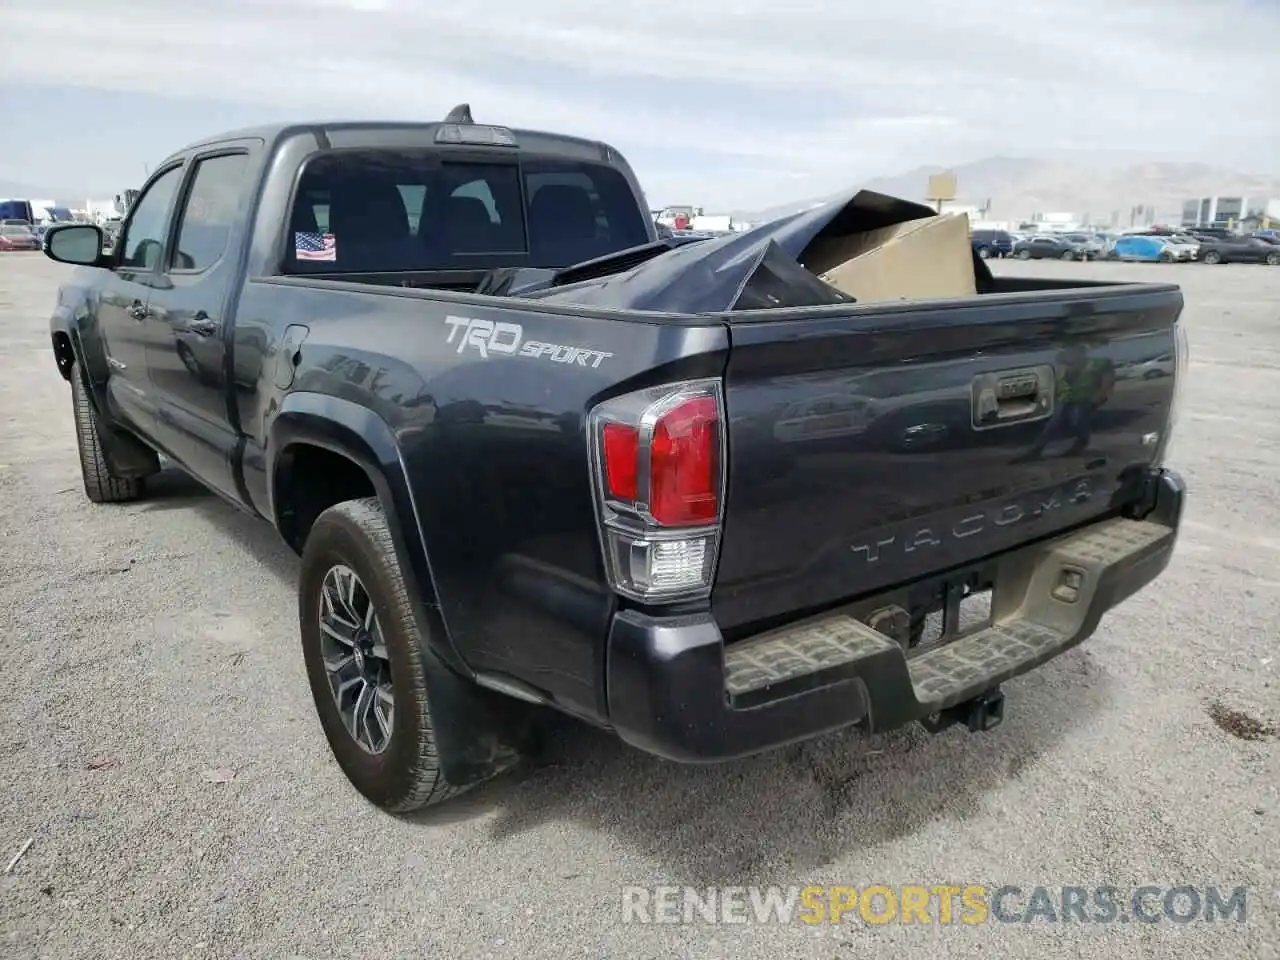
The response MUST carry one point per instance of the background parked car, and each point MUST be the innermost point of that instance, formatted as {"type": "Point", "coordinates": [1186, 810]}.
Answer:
{"type": "Point", "coordinates": [1055, 248]}
{"type": "Point", "coordinates": [16, 237]}
{"type": "Point", "coordinates": [1087, 242]}
{"type": "Point", "coordinates": [1182, 247]}
{"type": "Point", "coordinates": [1212, 233]}
{"type": "Point", "coordinates": [1140, 248]}
{"type": "Point", "coordinates": [1240, 250]}
{"type": "Point", "coordinates": [991, 243]}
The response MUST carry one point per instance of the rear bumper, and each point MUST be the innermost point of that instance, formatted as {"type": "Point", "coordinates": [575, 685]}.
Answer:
{"type": "Point", "coordinates": [675, 691]}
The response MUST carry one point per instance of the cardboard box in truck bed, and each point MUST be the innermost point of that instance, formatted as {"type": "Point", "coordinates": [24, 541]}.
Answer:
{"type": "Point", "coordinates": [919, 259]}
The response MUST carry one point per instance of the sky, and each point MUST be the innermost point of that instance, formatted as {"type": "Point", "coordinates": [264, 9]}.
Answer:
{"type": "Point", "coordinates": [738, 104]}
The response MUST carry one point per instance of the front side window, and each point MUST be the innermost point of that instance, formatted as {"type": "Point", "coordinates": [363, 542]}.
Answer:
{"type": "Point", "coordinates": [213, 206]}
{"type": "Point", "coordinates": [145, 235]}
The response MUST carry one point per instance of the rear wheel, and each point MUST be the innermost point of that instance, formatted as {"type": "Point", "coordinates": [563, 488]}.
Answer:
{"type": "Point", "coordinates": [1068, 255]}
{"type": "Point", "coordinates": [100, 484]}
{"type": "Point", "coordinates": [984, 253]}
{"type": "Point", "coordinates": [361, 647]}
{"type": "Point", "coordinates": [1023, 254]}
{"type": "Point", "coordinates": [1273, 259]}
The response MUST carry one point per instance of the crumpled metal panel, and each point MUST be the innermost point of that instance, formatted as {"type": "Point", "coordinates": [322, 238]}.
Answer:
{"type": "Point", "coordinates": [760, 268]}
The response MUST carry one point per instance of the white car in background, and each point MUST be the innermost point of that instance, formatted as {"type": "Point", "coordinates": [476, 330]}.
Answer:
{"type": "Point", "coordinates": [1182, 247]}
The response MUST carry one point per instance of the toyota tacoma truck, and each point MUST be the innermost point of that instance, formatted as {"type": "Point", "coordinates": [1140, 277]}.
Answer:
{"type": "Point", "coordinates": [533, 456]}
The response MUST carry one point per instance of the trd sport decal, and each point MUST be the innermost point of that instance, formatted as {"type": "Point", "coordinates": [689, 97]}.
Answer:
{"type": "Point", "coordinates": [487, 338]}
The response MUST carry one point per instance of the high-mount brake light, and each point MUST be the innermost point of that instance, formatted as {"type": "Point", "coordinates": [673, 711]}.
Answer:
{"type": "Point", "coordinates": [488, 136]}
{"type": "Point", "coordinates": [658, 475]}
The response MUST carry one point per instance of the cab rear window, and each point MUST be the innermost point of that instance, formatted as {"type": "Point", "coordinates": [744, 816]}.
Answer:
{"type": "Point", "coordinates": [386, 211]}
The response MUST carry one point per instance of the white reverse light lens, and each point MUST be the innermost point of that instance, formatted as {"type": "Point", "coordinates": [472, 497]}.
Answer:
{"type": "Point", "coordinates": [661, 569]}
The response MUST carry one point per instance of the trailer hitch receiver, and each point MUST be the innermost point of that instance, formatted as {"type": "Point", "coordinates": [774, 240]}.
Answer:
{"type": "Point", "coordinates": [984, 712]}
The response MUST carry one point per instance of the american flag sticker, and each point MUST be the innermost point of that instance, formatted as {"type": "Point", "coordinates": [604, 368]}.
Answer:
{"type": "Point", "coordinates": [315, 246]}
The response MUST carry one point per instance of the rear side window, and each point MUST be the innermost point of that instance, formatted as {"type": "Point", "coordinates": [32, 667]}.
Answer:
{"type": "Point", "coordinates": [213, 205]}
{"type": "Point", "coordinates": [579, 211]}
{"type": "Point", "coordinates": [381, 210]}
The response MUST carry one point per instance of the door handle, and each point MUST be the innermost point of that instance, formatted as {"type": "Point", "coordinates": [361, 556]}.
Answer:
{"type": "Point", "coordinates": [203, 325]}
{"type": "Point", "coordinates": [138, 310]}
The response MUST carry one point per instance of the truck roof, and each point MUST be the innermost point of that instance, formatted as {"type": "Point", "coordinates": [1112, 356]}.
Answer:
{"type": "Point", "coordinates": [392, 134]}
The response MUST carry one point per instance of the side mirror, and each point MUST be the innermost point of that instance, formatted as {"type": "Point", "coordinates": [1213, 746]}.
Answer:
{"type": "Point", "coordinates": [79, 244]}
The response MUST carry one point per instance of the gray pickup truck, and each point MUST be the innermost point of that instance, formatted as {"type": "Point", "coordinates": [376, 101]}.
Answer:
{"type": "Point", "coordinates": [534, 456]}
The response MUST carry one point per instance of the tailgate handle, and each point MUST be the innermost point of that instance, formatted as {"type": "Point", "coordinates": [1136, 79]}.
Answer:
{"type": "Point", "coordinates": [1012, 396]}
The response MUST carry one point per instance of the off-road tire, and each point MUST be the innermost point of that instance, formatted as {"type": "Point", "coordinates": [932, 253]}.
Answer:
{"type": "Point", "coordinates": [407, 774]}
{"type": "Point", "coordinates": [100, 484]}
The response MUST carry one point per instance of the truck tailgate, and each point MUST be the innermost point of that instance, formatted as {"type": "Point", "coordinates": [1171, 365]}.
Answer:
{"type": "Point", "coordinates": [868, 448]}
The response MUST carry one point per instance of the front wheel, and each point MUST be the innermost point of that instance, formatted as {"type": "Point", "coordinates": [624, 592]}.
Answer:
{"type": "Point", "coordinates": [100, 484]}
{"type": "Point", "coordinates": [1068, 255]}
{"type": "Point", "coordinates": [984, 253]}
{"type": "Point", "coordinates": [1023, 254]}
{"type": "Point", "coordinates": [361, 648]}
{"type": "Point", "coordinates": [1213, 256]}
{"type": "Point", "coordinates": [1273, 259]}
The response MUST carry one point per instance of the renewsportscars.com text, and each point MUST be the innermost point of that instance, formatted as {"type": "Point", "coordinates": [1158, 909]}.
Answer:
{"type": "Point", "coordinates": [936, 904]}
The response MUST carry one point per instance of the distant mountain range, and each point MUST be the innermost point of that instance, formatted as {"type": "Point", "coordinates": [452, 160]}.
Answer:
{"type": "Point", "coordinates": [1020, 186]}
{"type": "Point", "coordinates": [1015, 186]}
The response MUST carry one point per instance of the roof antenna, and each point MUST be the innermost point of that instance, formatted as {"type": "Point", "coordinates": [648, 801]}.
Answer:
{"type": "Point", "coordinates": [460, 114]}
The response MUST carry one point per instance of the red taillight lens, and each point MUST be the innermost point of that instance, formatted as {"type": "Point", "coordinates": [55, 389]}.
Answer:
{"type": "Point", "coordinates": [621, 453]}
{"type": "Point", "coordinates": [657, 462]}
{"type": "Point", "coordinates": [684, 474]}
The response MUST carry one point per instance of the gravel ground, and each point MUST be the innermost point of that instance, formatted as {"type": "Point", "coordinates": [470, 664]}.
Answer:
{"type": "Point", "coordinates": [151, 652]}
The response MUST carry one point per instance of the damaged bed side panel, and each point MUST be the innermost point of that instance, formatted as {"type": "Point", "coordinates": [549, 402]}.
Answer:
{"type": "Point", "coordinates": [758, 269]}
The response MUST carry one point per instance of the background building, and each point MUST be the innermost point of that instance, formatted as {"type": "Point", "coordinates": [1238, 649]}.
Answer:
{"type": "Point", "coordinates": [1248, 212]}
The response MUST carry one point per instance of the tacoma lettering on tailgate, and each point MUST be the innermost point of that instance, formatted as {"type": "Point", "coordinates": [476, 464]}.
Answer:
{"type": "Point", "coordinates": [488, 337]}
{"type": "Point", "coordinates": [1026, 507]}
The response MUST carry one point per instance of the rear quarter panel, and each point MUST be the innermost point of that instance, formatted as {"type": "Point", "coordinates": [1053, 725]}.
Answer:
{"type": "Point", "coordinates": [493, 449]}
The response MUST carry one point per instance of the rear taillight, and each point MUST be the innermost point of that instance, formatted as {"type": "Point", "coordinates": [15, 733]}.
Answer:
{"type": "Point", "coordinates": [657, 460]}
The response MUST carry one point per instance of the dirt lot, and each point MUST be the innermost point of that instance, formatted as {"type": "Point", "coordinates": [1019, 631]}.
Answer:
{"type": "Point", "coordinates": [161, 752]}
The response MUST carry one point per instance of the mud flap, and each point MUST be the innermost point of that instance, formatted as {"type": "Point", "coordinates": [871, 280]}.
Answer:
{"type": "Point", "coordinates": [479, 733]}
